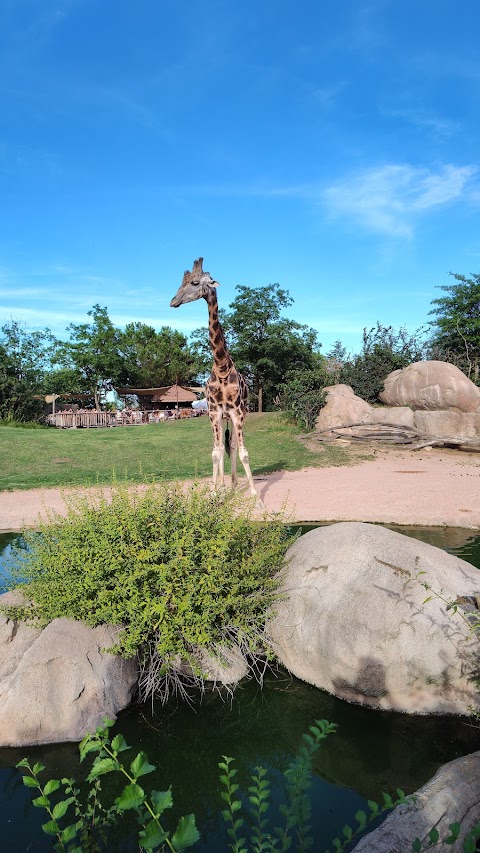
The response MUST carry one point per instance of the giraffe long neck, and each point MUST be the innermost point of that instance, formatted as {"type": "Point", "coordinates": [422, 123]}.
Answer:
{"type": "Point", "coordinates": [221, 356]}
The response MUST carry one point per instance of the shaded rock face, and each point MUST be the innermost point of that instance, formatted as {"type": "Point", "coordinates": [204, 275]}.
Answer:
{"type": "Point", "coordinates": [448, 424]}
{"type": "Point", "coordinates": [433, 385]}
{"type": "Point", "coordinates": [57, 684]}
{"type": "Point", "coordinates": [353, 621]}
{"type": "Point", "coordinates": [452, 796]}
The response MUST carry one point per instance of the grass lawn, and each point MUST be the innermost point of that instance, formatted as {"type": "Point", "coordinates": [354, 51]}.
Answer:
{"type": "Point", "coordinates": [177, 450]}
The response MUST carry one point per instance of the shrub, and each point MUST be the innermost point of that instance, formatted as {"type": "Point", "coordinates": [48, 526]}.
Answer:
{"type": "Point", "coordinates": [180, 569]}
{"type": "Point", "coordinates": [302, 395]}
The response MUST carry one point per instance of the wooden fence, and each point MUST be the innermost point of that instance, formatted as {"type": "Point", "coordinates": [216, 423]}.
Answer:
{"type": "Point", "coordinates": [71, 420]}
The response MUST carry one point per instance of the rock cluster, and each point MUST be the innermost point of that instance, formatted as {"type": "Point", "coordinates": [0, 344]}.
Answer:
{"type": "Point", "coordinates": [433, 397]}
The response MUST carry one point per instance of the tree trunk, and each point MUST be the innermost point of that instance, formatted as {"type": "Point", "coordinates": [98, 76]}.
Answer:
{"type": "Point", "coordinates": [260, 398]}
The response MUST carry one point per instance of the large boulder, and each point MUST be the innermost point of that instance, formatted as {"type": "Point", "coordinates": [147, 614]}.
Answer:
{"type": "Point", "coordinates": [431, 385]}
{"type": "Point", "coordinates": [58, 683]}
{"type": "Point", "coordinates": [352, 620]}
{"type": "Point", "coordinates": [452, 796]}
{"type": "Point", "coordinates": [344, 408]}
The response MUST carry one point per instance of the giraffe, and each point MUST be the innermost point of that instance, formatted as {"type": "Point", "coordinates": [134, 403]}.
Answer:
{"type": "Point", "coordinates": [226, 389]}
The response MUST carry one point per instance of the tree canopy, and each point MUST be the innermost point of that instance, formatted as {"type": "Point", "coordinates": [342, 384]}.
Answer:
{"type": "Point", "coordinates": [153, 358]}
{"type": "Point", "coordinates": [24, 361]}
{"type": "Point", "coordinates": [265, 345]}
{"type": "Point", "coordinates": [456, 328]}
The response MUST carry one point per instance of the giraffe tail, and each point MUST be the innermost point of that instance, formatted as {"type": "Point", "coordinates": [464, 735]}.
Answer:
{"type": "Point", "coordinates": [227, 441]}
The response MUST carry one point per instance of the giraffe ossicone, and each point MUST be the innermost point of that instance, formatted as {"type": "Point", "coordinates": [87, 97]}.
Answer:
{"type": "Point", "coordinates": [226, 390]}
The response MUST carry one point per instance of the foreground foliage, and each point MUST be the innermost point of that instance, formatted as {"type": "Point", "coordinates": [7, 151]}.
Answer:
{"type": "Point", "coordinates": [179, 569]}
{"type": "Point", "coordinates": [87, 819]}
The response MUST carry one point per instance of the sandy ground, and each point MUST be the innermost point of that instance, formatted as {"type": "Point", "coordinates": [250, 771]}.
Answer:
{"type": "Point", "coordinates": [440, 487]}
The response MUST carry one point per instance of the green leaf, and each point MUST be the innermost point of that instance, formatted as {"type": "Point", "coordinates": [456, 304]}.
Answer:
{"type": "Point", "coordinates": [69, 833]}
{"type": "Point", "coordinates": [37, 768]}
{"type": "Point", "coordinates": [140, 766]}
{"type": "Point", "coordinates": [433, 836]}
{"type": "Point", "coordinates": [152, 836]}
{"type": "Point", "coordinates": [51, 828]}
{"type": "Point", "coordinates": [88, 746]}
{"type": "Point", "coordinates": [41, 802]}
{"type": "Point", "coordinates": [131, 797]}
{"type": "Point", "coordinates": [161, 800]}
{"type": "Point", "coordinates": [416, 846]}
{"type": "Point", "coordinates": [51, 786]}
{"type": "Point", "coordinates": [186, 833]}
{"type": "Point", "coordinates": [30, 782]}
{"type": "Point", "coordinates": [119, 744]}
{"type": "Point", "coordinates": [102, 766]}
{"type": "Point", "coordinates": [60, 808]}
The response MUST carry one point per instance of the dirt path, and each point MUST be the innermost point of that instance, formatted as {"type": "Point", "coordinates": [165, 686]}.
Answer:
{"type": "Point", "coordinates": [441, 487]}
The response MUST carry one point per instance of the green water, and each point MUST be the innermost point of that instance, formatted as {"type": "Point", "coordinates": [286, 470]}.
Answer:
{"type": "Point", "coordinates": [372, 751]}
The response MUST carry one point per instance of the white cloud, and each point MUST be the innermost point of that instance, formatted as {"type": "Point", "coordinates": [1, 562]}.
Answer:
{"type": "Point", "coordinates": [387, 199]}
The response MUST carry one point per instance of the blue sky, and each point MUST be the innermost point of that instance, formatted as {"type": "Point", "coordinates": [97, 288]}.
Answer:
{"type": "Point", "coordinates": [330, 147]}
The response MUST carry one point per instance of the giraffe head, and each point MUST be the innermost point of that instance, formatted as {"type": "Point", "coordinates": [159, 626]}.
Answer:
{"type": "Point", "coordinates": [195, 284]}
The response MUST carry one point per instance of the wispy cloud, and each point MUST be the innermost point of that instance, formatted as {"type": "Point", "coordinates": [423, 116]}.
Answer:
{"type": "Point", "coordinates": [388, 199]}
{"type": "Point", "coordinates": [441, 128]}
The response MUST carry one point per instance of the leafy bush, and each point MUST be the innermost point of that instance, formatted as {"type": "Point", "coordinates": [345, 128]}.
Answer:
{"type": "Point", "coordinates": [302, 395]}
{"type": "Point", "coordinates": [180, 569]}
{"type": "Point", "coordinates": [384, 350]}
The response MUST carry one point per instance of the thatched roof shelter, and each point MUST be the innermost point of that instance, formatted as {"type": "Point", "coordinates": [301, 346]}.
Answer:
{"type": "Point", "coordinates": [164, 397]}
{"type": "Point", "coordinates": [176, 394]}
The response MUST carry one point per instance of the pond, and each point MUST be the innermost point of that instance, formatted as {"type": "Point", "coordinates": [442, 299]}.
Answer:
{"type": "Point", "coordinates": [371, 752]}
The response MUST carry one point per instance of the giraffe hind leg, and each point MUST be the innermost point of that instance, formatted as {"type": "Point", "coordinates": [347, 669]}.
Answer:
{"type": "Point", "coordinates": [233, 456]}
{"type": "Point", "coordinates": [243, 454]}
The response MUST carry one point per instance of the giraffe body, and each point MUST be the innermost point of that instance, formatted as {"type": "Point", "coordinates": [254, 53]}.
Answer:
{"type": "Point", "coordinates": [226, 390]}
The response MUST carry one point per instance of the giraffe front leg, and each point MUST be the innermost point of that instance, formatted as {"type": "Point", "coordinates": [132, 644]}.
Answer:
{"type": "Point", "coordinates": [218, 449]}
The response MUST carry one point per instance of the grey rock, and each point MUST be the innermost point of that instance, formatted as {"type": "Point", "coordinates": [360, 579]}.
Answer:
{"type": "Point", "coordinates": [58, 683]}
{"type": "Point", "coordinates": [434, 385]}
{"type": "Point", "coordinates": [452, 796]}
{"type": "Point", "coordinates": [353, 620]}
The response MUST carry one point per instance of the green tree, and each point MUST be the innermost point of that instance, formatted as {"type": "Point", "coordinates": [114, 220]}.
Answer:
{"type": "Point", "coordinates": [24, 361]}
{"type": "Point", "coordinates": [302, 395]}
{"type": "Point", "coordinates": [94, 353]}
{"type": "Point", "coordinates": [384, 350]}
{"type": "Point", "coordinates": [264, 344]}
{"type": "Point", "coordinates": [153, 358]}
{"type": "Point", "coordinates": [456, 329]}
